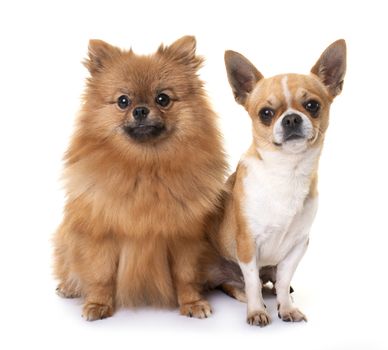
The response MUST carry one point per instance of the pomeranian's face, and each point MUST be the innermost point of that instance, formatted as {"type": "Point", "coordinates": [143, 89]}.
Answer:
{"type": "Point", "coordinates": [141, 100]}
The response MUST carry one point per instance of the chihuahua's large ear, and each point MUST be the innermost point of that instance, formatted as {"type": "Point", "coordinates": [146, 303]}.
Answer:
{"type": "Point", "coordinates": [99, 54]}
{"type": "Point", "coordinates": [331, 67]}
{"type": "Point", "coordinates": [242, 75]}
{"type": "Point", "coordinates": [183, 51]}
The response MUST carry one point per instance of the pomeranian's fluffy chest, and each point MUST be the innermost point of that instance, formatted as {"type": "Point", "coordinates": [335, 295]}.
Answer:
{"type": "Point", "coordinates": [144, 202]}
{"type": "Point", "coordinates": [276, 189]}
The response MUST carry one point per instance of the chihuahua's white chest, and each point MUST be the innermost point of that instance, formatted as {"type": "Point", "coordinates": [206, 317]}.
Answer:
{"type": "Point", "coordinates": [275, 203]}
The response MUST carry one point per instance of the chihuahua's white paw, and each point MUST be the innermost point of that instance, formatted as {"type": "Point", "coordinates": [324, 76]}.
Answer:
{"type": "Point", "coordinates": [258, 318]}
{"type": "Point", "coordinates": [291, 315]}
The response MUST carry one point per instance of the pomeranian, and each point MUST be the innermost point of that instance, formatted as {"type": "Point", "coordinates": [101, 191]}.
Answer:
{"type": "Point", "coordinates": [144, 170]}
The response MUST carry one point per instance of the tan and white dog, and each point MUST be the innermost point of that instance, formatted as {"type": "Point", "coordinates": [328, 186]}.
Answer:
{"type": "Point", "coordinates": [273, 193]}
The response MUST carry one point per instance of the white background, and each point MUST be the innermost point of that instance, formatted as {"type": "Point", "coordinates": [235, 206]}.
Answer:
{"type": "Point", "coordinates": [341, 284]}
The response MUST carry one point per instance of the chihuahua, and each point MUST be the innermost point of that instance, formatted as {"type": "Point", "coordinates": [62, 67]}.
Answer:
{"type": "Point", "coordinates": [273, 196]}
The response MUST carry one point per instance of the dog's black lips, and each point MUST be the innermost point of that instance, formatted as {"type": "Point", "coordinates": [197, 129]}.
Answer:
{"type": "Point", "coordinates": [144, 132]}
{"type": "Point", "coordinates": [294, 135]}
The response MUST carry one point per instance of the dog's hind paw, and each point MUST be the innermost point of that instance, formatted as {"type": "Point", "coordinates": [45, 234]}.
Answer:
{"type": "Point", "coordinates": [64, 291]}
{"type": "Point", "coordinates": [197, 309]}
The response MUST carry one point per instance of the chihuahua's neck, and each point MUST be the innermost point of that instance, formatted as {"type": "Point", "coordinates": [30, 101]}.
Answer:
{"type": "Point", "coordinates": [281, 163]}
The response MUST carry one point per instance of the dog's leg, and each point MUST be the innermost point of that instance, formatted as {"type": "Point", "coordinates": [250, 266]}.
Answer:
{"type": "Point", "coordinates": [97, 269]}
{"type": "Point", "coordinates": [247, 259]}
{"type": "Point", "coordinates": [287, 267]}
{"type": "Point", "coordinates": [69, 286]}
{"type": "Point", "coordinates": [285, 270]}
{"type": "Point", "coordinates": [257, 314]}
{"type": "Point", "coordinates": [185, 258]}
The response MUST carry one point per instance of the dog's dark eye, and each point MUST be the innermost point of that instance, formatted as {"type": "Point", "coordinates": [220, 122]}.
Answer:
{"type": "Point", "coordinates": [162, 100]}
{"type": "Point", "coordinates": [266, 115]}
{"type": "Point", "coordinates": [312, 106]}
{"type": "Point", "coordinates": [123, 101]}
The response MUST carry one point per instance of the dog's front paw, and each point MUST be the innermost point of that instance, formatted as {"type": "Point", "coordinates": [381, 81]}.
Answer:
{"type": "Point", "coordinates": [291, 315]}
{"type": "Point", "coordinates": [94, 311]}
{"type": "Point", "coordinates": [198, 309]}
{"type": "Point", "coordinates": [258, 318]}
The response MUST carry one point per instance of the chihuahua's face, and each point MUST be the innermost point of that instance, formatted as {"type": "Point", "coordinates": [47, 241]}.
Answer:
{"type": "Point", "coordinates": [134, 100]}
{"type": "Point", "coordinates": [289, 112]}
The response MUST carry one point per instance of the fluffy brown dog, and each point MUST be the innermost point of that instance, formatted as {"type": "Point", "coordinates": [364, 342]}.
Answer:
{"type": "Point", "coordinates": [145, 167]}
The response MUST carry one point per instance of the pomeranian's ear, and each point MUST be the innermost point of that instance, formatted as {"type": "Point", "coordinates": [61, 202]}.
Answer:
{"type": "Point", "coordinates": [331, 67]}
{"type": "Point", "coordinates": [183, 51]}
{"type": "Point", "coordinates": [99, 54]}
{"type": "Point", "coordinates": [242, 75]}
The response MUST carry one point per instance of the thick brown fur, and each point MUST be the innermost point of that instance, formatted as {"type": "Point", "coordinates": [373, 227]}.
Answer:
{"type": "Point", "coordinates": [133, 226]}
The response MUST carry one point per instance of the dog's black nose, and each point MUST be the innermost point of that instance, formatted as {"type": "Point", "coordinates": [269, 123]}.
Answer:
{"type": "Point", "coordinates": [291, 124]}
{"type": "Point", "coordinates": [292, 121]}
{"type": "Point", "coordinates": [140, 113]}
